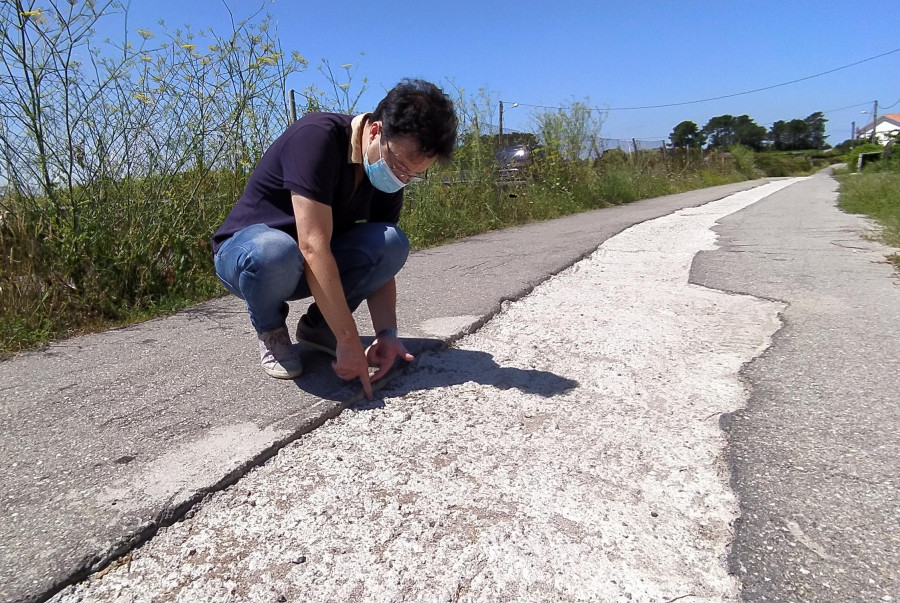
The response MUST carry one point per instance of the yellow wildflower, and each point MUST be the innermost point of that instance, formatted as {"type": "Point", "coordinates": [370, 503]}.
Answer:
{"type": "Point", "coordinates": [145, 34]}
{"type": "Point", "coordinates": [144, 98]}
{"type": "Point", "coordinates": [36, 16]}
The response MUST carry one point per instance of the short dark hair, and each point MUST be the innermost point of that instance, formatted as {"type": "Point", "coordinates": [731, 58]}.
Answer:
{"type": "Point", "coordinates": [419, 110]}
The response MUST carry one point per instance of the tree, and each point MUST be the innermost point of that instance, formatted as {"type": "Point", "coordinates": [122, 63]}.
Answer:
{"type": "Point", "coordinates": [720, 131]}
{"type": "Point", "coordinates": [816, 123]}
{"type": "Point", "coordinates": [749, 133]}
{"type": "Point", "coordinates": [778, 135]}
{"type": "Point", "coordinates": [726, 130]}
{"type": "Point", "coordinates": [799, 134]}
{"type": "Point", "coordinates": [687, 135]}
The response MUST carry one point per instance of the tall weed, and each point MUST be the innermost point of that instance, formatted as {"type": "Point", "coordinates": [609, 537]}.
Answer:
{"type": "Point", "coordinates": [876, 194]}
{"type": "Point", "coordinates": [116, 168]}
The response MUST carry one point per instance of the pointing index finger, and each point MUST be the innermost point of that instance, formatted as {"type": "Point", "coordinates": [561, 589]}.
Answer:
{"type": "Point", "coordinates": [367, 384]}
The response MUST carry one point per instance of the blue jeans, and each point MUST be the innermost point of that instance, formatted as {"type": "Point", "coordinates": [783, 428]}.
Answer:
{"type": "Point", "coordinates": [264, 267]}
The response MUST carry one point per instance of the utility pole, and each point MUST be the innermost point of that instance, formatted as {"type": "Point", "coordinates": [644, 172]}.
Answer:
{"type": "Point", "coordinates": [875, 122]}
{"type": "Point", "coordinates": [293, 106]}
{"type": "Point", "coordinates": [853, 133]}
{"type": "Point", "coordinates": [500, 138]}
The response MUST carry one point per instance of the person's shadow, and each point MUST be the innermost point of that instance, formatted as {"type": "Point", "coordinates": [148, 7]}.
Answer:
{"type": "Point", "coordinates": [436, 365]}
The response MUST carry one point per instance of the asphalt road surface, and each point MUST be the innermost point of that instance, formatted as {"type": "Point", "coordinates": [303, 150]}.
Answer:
{"type": "Point", "coordinates": [670, 418]}
{"type": "Point", "coordinates": [814, 453]}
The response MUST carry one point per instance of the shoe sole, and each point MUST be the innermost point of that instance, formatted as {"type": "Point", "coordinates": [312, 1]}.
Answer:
{"type": "Point", "coordinates": [286, 376]}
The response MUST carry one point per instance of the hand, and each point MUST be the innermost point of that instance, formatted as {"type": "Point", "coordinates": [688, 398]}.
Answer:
{"type": "Point", "coordinates": [351, 364]}
{"type": "Point", "coordinates": [382, 353]}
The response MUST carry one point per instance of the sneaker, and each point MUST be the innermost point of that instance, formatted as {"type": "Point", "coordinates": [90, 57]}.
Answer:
{"type": "Point", "coordinates": [277, 355]}
{"type": "Point", "coordinates": [317, 338]}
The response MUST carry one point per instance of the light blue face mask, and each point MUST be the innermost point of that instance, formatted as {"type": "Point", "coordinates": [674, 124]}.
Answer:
{"type": "Point", "coordinates": [380, 175]}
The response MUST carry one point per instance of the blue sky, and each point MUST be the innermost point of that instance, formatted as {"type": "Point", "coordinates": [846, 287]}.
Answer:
{"type": "Point", "coordinates": [617, 54]}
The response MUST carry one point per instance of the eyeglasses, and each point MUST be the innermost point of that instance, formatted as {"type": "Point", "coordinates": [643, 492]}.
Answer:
{"type": "Point", "coordinates": [401, 171]}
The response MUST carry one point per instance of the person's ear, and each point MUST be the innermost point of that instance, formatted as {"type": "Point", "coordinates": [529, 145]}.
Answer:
{"type": "Point", "coordinates": [374, 130]}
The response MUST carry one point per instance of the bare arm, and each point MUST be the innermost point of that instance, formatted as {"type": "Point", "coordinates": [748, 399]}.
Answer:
{"type": "Point", "coordinates": [314, 230]}
{"type": "Point", "coordinates": [383, 307]}
{"type": "Point", "coordinates": [386, 348]}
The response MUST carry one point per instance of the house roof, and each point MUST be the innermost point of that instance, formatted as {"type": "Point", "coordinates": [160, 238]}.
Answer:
{"type": "Point", "coordinates": [894, 118]}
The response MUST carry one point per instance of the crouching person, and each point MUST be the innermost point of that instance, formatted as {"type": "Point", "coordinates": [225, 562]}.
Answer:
{"type": "Point", "coordinates": [319, 218]}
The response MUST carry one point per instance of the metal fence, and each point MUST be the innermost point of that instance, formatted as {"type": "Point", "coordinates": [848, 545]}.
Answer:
{"type": "Point", "coordinates": [593, 147]}
{"type": "Point", "coordinates": [629, 145]}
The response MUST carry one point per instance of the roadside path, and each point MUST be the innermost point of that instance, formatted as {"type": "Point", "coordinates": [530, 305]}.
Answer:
{"type": "Point", "coordinates": [569, 450]}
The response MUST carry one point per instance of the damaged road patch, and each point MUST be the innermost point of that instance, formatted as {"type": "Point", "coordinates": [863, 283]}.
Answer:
{"type": "Point", "coordinates": [568, 450]}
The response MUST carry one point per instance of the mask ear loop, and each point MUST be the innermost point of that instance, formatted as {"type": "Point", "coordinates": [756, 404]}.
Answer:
{"type": "Point", "coordinates": [394, 176]}
{"type": "Point", "coordinates": [381, 140]}
{"type": "Point", "coordinates": [380, 154]}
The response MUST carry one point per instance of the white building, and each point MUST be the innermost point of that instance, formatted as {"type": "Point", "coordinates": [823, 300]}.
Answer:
{"type": "Point", "coordinates": [887, 125]}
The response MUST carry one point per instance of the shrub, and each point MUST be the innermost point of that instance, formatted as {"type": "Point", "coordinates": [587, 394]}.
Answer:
{"type": "Point", "coordinates": [852, 157]}
{"type": "Point", "coordinates": [743, 158]}
{"type": "Point", "coordinates": [784, 164]}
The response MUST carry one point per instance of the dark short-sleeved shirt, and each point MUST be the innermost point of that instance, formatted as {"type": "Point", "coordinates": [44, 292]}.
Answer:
{"type": "Point", "coordinates": [315, 158]}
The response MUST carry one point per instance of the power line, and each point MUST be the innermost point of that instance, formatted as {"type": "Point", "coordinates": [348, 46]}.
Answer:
{"type": "Point", "coordinates": [892, 106]}
{"type": "Point", "coordinates": [864, 104]}
{"type": "Point", "coordinates": [704, 100]}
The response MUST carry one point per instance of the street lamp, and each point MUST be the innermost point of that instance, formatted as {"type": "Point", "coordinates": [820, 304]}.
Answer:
{"type": "Point", "coordinates": [513, 106]}
{"type": "Point", "coordinates": [874, 138]}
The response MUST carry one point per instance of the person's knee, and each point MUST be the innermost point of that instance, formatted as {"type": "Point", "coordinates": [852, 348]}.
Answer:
{"type": "Point", "coordinates": [396, 247]}
{"type": "Point", "coordinates": [274, 251]}
{"type": "Point", "coordinates": [396, 243]}
{"type": "Point", "coordinates": [271, 267]}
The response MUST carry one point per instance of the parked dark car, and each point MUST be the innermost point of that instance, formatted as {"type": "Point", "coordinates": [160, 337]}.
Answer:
{"type": "Point", "coordinates": [513, 161]}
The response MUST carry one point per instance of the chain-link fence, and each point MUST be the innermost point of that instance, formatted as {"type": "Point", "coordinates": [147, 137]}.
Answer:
{"type": "Point", "coordinates": [593, 147]}
{"type": "Point", "coordinates": [629, 145]}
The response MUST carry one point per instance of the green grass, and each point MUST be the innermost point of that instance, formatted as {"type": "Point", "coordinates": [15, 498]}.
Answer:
{"type": "Point", "coordinates": [146, 254]}
{"type": "Point", "coordinates": [876, 193]}
{"type": "Point", "coordinates": [435, 214]}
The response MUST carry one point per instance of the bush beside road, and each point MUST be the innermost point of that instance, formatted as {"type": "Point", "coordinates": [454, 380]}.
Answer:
{"type": "Point", "coordinates": [875, 192]}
